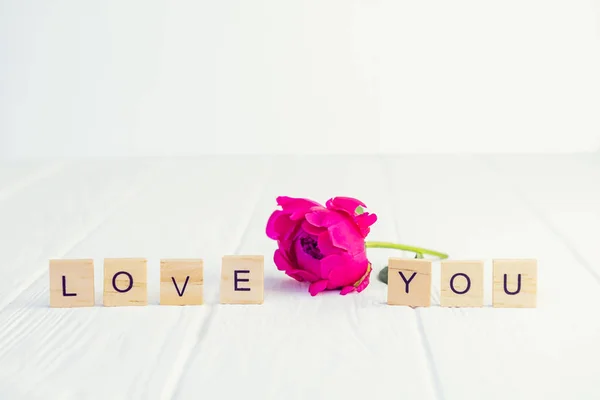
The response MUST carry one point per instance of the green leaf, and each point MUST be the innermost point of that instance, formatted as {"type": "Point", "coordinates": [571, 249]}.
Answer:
{"type": "Point", "coordinates": [359, 210]}
{"type": "Point", "coordinates": [383, 275]}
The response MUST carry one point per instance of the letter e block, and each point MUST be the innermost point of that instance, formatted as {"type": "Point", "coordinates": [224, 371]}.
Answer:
{"type": "Point", "coordinates": [242, 280]}
{"type": "Point", "coordinates": [409, 282]}
{"type": "Point", "coordinates": [71, 283]}
{"type": "Point", "coordinates": [515, 284]}
{"type": "Point", "coordinates": [125, 282]}
{"type": "Point", "coordinates": [181, 282]}
{"type": "Point", "coordinates": [461, 284]}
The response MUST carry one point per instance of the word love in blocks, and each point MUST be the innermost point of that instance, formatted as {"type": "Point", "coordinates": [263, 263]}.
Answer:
{"type": "Point", "coordinates": [181, 282]}
{"type": "Point", "coordinates": [514, 283]}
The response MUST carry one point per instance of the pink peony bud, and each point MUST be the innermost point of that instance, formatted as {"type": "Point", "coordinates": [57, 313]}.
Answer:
{"type": "Point", "coordinates": [322, 245]}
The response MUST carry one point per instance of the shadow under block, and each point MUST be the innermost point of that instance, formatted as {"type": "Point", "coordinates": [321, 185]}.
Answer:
{"type": "Point", "coordinates": [181, 282]}
{"type": "Point", "coordinates": [515, 284]}
{"type": "Point", "coordinates": [409, 282]}
{"type": "Point", "coordinates": [125, 282]}
{"type": "Point", "coordinates": [242, 280]}
{"type": "Point", "coordinates": [461, 284]}
{"type": "Point", "coordinates": [71, 283]}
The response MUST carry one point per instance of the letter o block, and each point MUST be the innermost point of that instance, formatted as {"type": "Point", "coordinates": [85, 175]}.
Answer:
{"type": "Point", "coordinates": [242, 280]}
{"type": "Point", "coordinates": [461, 284]}
{"type": "Point", "coordinates": [515, 284]}
{"type": "Point", "coordinates": [125, 282]}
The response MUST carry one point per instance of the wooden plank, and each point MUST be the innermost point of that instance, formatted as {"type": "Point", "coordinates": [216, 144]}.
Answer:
{"type": "Point", "coordinates": [459, 205]}
{"type": "Point", "coordinates": [169, 218]}
{"type": "Point", "coordinates": [377, 342]}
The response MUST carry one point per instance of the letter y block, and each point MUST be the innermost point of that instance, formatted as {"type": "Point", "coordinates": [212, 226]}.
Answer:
{"type": "Point", "coordinates": [409, 282]}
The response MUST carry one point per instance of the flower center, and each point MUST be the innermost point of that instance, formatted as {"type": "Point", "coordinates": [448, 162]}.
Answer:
{"type": "Point", "coordinates": [310, 247]}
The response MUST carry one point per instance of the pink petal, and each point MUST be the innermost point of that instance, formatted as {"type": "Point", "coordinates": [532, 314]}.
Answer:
{"type": "Point", "coordinates": [365, 282]}
{"type": "Point", "coordinates": [326, 244]}
{"type": "Point", "coordinates": [279, 224]}
{"type": "Point", "coordinates": [347, 236]}
{"type": "Point", "coordinates": [347, 271]}
{"type": "Point", "coordinates": [311, 229]}
{"type": "Point", "coordinates": [347, 204]}
{"type": "Point", "coordinates": [334, 262]}
{"type": "Point", "coordinates": [317, 287]}
{"type": "Point", "coordinates": [364, 221]}
{"type": "Point", "coordinates": [296, 207]}
{"type": "Point", "coordinates": [323, 217]}
{"type": "Point", "coordinates": [302, 276]}
{"type": "Point", "coordinates": [347, 289]}
{"type": "Point", "coordinates": [281, 261]}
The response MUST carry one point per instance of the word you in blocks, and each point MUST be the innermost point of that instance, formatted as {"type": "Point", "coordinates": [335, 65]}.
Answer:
{"type": "Point", "coordinates": [181, 282]}
{"type": "Point", "coordinates": [515, 283]}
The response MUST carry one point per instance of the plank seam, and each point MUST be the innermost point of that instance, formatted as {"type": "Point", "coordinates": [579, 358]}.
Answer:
{"type": "Point", "coordinates": [427, 352]}
{"type": "Point", "coordinates": [172, 386]}
{"type": "Point", "coordinates": [539, 214]}
{"type": "Point", "coordinates": [30, 179]}
{"type": "Point", "coordinates": [39, 274]}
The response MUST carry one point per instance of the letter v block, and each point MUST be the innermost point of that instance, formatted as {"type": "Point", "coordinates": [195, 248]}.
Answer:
{"type": "Point", "coordinates": [242, 280]}
{"type": "Point", "coordinates": [125, 282]}
{"type": "Point", "coordinates": [71, 283]}
{"type": "Point", "coordinates": [409, 282]}
{"type": "Point", "coordinates": [181, 282]}
{"type": "Point", "coordinates": [515, 284]}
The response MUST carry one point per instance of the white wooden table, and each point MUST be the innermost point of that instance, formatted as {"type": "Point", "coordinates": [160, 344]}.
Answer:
{"type": "Point", "coordinates": [295, 346]}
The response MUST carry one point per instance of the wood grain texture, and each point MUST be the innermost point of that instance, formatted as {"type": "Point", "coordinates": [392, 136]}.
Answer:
{"type": "Point", "coordinates": [515, 284]}
{"type": "Point", "coordinates": [461, 283]}
{"type": "Point", "coordinates": [409, 282]}
{"type": "Point", "coordinates": [72, 283]}
{"type": "Point", "coordinates": [125, 282]}
{"type": "Point", "coordinates": [468, 206]}
{"type": "Point", "coordinates": [242, 279]}
{"type": "Point", "coordinates": [181, 282]}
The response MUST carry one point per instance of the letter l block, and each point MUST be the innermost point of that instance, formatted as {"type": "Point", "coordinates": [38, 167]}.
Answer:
{"type": "Point", "coordinates": [71, 283]}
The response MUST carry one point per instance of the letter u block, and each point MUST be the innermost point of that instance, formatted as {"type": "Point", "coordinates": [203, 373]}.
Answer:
{"type": "Point", "coordinates": [409, 282]}
{"type": "Point", "coordinates": [242, 280]}
{"type": "Point", "coordinates": [515, 284]}
{"type": "Point", "coordinates": [125, 282]}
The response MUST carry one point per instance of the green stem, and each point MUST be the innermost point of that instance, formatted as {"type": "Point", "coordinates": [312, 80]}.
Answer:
{"type": "Point", "coordinates": [418, 250]}
{"type": "Point", "coordinates": [383, 274]}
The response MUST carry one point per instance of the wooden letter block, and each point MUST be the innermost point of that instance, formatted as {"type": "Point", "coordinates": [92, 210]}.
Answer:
{"type": "Point", "coordinates": [181, 282]}
{"type": "Point", "coordinates": [242, 280]}
{"type": "Point", "coordinates": [515, 284]}
{"type": "Point", "coordinates": [461, 284]}
{"type": "Point", "coordinates": [125, 282]}
{"type": "Point", "coordinates": [409, 282]}
{"type": "Point", "coordinates": [72, 283]}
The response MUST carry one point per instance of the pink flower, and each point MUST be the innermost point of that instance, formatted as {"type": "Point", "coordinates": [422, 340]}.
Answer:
{"type": "Point", "coordinates": [322, 245]}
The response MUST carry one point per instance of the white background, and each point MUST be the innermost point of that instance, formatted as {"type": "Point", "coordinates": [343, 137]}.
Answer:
{"type": "Point", "coordinates": [116, 78]}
